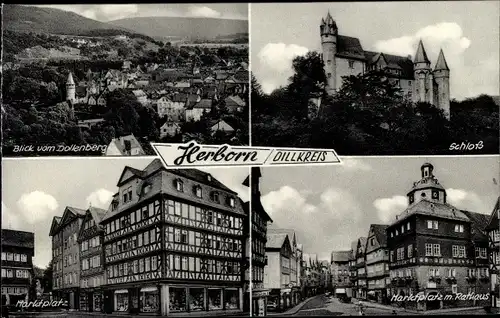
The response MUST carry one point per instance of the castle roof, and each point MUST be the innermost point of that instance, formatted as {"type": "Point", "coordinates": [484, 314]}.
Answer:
{"type": "Point", "coordinates": [349, 47]}
{"type": "Point", "coordinates": [421, 55]}
{"type": "Point", "coordinates": [393, 61]}
{"type": "Point", "coordinates": [441, 63]}
{"type": "Point", "coordinates": [70, 80]}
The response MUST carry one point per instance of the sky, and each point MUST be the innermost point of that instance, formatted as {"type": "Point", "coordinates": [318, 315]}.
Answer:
{"type": "Point", "coordinates": [467, 31]}
{"type": "Point", "coordinates": [109, 12]}
{"type": "Point", "coordinates": [331, 206]}
{"type": "Point", "coordinates": [36, 190]}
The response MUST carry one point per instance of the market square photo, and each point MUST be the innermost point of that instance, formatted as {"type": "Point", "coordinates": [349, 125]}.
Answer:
{"type": "Point", "coordinates": [377, 236]}
{"type": "Point", "coordinates": [109, 79]}
{"type": "Point", "coordinates": [377, 78]}
{"type": "Point", "coordinates": [130, 238]}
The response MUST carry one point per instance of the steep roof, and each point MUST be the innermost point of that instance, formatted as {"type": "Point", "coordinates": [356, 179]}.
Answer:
{"type": "Point", "coordinates": [493, 219]}
{"type": "Point", "coordinates": [120, 144]}
{"type": "Point", "coordinates": [349, 47]}
{"type": "Point", "coordinates": [202, 177]}
{"type": "Point", "coordinates": [404, 63]}
{"type": "Point", "coordinates": [289, 232]}
{"type": "Point", "coordinates": [70, 80]}
{"type": "Point", "coordinates": [421, 55]}
{"type": "Point", "coordinates": [380, 233]}
{"type": "Point", "coordinates": [97, 214]}
{"type": "Point", "coordinates": [341, 256]}
{"type": "Point", "coordinates": [441, 210]}
{"type": "Point", "coordinates": [441, 62]}
{"type": "Point", "coordinates": [275, 240]}
{"type": "Point", "coordinates": [204, 104]}
{"type": "Point", "coordinates": [18, 238]}
{"type": "Point", "coordinates": [479, 223]}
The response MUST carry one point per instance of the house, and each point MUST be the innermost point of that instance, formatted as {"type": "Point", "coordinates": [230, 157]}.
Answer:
{"type": "Point", "coordinates": [493, 230]}
{"type": "Point", "coordinates": [234, 104]}
{"type": "Point", "coordinates": [125, 146]}
{"type": "Point", "coordinates": [222, 126]}
{"type": "Point", "coordinates": [377, 264]}
{"type": "Point", "coordinates": [339, 268]}
{"type": "Point", "coordinates": [18, 250]}
{"type": "Point", "coordinates": [194, 112]}
{"type": "Point", "coordinates": [89, 123]}
{"type": "Point", "coordinates": [141, 96]}
{"type": "Point", "coordinates": [169, 128]}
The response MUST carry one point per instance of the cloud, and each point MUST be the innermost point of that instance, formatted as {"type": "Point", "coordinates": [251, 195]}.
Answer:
{"type": "Point", "coordinates": [355, 164]}
{"type": "Point", "coordinates": [102, 12]}
{"type": "Point", "coordinates": [482, 76]}
{"type": "Point", "coordinates": [203, 11]}
{"type": "Point", "coordinates": [36, 206]}
{"type": "Point", "coordinates": [276, 64]}
{"type": "Point", "coordinates": [467, 200]}
{"type": "Point", "coordinates": [321, 226]}
{"type": "Point", "coordinates": [100, 198]}
{"type": "Point", "coordinates": [388, 208]}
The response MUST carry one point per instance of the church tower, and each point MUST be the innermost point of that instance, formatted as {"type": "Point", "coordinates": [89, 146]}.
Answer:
{"type": "Point", "coordinates": [422, 90]}
{"type": "Point", "coordinates": [442, 77]}
{"type": "Point", "coordinates": [428, 188]}
{"type": "Point", "coordinates": [70, 89]}
{"type": "Point", "coordinates": [329, 32]}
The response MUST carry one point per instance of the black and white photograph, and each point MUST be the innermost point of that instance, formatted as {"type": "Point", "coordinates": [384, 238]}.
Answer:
{"type": "Point", "coordinates": [123, 236]}
{"type": "Point", "coordinates": [109, 79]}
{"type": "Point", "coordinates": [377, 78]}
{"type": "Point", "coordinates": [378, 236]}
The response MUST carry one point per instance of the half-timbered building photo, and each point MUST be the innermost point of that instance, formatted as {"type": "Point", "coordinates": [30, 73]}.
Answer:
{"type": "Point", "coordinates": [150, 241]}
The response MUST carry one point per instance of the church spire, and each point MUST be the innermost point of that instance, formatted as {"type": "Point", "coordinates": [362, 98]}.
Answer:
{"type": "Point", "coordinates": [421, 55]}
{"type": "Point", "coordinates": [441, 62]}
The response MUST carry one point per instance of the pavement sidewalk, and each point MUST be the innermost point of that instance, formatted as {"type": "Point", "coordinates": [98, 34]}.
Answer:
{"type": "Point", "coordinates": [369, 304]}
{"type": "Point", "coordinates": [294, 310]}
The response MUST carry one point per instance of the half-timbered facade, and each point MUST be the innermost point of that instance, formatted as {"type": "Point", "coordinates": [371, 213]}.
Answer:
{"type": "Point", "coordinates": [92, 277]}
{"type": "Point", "coordinates": [173, 243]}
{"type": "Point", "coordinates": [18, 249]}
{"type": "Point", "coordinates": [361, 268]}
{"type": "Point", "coordinates": [66, 255]}
{"type": "Point", "coordinates": [377, 263]}
{"type": "Point", "coordinates": [493, 229]}
{"type": "Point", "coordinates": [259, 224]}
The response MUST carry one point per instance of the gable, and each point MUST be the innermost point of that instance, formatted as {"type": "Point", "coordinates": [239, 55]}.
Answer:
{"type": "Point", "coordinates": [128, 173]}
{"type": "Point", "coordinates": [67, 217]}
{"type": "Point", "coordinates": [54, 225]}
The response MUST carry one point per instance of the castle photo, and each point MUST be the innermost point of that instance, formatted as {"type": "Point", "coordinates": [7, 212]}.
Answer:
{"type": "Point", "coordinates": [344, 56]}
{"type": "Point", "coordinates": [351, 77]}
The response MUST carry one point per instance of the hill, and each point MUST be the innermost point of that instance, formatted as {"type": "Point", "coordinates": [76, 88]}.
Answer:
{"type": "Point", "coordinates": [192, 28]}
{"type": "Point", "coordinates": [49, 20]}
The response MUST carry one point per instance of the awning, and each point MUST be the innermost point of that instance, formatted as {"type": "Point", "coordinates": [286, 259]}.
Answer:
{"type": "Point", "coordinates": [149, 289]}
{"type": "Point", "coordinates": [121, 291]}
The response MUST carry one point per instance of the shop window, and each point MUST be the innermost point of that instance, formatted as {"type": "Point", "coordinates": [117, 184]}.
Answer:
{"type": "Point", "coordinates": [197, 299]}
{"type": "Point", "coordinates": [214, 299]}
{"type": "Point", "coordinates": [177, 301]}
{"type": "Point", "coordinates": [149, 299]}
{"type": "Point", "coordinates": [232, 298]}
{"type": "Point", "coordinates": [121, 301]}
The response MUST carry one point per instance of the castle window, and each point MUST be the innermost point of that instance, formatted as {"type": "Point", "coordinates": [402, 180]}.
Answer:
{"type": "Point", "coordinates": [351, 64]}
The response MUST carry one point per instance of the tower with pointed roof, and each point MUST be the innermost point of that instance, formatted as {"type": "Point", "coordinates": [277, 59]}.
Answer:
{"type": "Point", "coordinates": [441, 75]}
{"type": "Point", "coordinates": [70, 89]}
{"type": "Point", "coordinates": [423, 75]}
{"type": "Point", "coordinates": [329, 32]}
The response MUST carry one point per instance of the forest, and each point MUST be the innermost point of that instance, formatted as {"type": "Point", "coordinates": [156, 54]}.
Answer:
{"type": "Point", "coordinates": [367, 116]}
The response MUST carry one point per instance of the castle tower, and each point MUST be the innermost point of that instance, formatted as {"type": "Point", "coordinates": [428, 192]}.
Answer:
{"type": "Point", "coordinates": [329, 32]}
{"type": "Point", "coordinates": [70, 89]}
{"type": "Point", "coordinates": [428, 188]}
{"type": "Point", "coordinates": [442, 77]}
{"type": "Point", "coordinates": [422, 72]}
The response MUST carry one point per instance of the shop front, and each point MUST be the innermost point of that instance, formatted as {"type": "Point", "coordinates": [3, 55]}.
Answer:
{"type": "Point", "coordinates": [91, 300]}
{"type": "Point", "coordinates": [259, 302]}
{"type": "Point", "coordinates": [12, 294]}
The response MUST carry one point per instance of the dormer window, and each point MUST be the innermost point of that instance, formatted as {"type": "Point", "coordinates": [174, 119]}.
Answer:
{"type": "Point", "coordinates": [197, 191]}
{"type": "Point", "coordinates": [412, 198]}
{"type": "Point", "coordinates": [231, 202]}
{"type": "Point", "coordinates": [146, 189]}
{"type": "Point", "coordinates": [114, 205]}
{"type": "Point", "coordinates": [179, 185]}
{"type": "Point", "coordinates": [215, 197]}
{"type": "Point", "coordinates": [435, 194]}
{"type": "Point", "coordinates": [209, 178]}
{"type": "Point", "coordinates": [127, 195]}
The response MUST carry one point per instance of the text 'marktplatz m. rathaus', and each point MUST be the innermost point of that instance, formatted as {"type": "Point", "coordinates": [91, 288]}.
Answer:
{"type": "Point", "coordinates": [172, 242]}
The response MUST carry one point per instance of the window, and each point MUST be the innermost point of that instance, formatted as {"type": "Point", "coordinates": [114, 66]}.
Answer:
{"type": "Point", "coordinates": [459, 228]}
{"type": "Point", "coordinates": [329, 75]}
{"type": "Point", "coordinates": [127, 195]}
{"type": "Point", "coordinates": [408, 226]}
{"type": "Point", "coordinates": [436, 249]}
{"type": "Point", "coordinates": [435, 194]}
{"type": "Point", "coordinates": [392, 256]}
{"type": "Point", "coordinates": [412, 198]}
{"type": "Point", "coordinates": [458, 251]}
{"type": "Point", "coordinates": [179, 185]}
{"type": "Point", "coordinates": [397, 233]}
{"type": "Point", "coordinates": [231, 202]}
{"type": "Point", "coordinates": [215, 197]}
{"type": "Point", "coordinates": [410, 251]}
{"type": "Point", "coordinates": [402, 229]}
{"type": "Point", "coordinates": [428, 249]}
{"type": "Point", "coordinates": [146, 189]}
{"type": "Point", "coordinates": [480, 252]}
{"type": "Point", "coordinates": [432, 224]}
{"type": "Point", "coordinates": [372, 241]}
{"type": "Point", "coordinates": [351, 64]}
{"type": "Point", "coordinates": [198, 191]}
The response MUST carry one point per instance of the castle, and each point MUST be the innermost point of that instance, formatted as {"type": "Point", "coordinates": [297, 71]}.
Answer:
{"type": "Point", "coordinates": [344, 56]}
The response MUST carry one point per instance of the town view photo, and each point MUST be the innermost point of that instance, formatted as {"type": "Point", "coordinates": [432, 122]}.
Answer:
{"type": "Point", "coordinates": [110, 79]}
{"type": "Point", "coordinates": [349, 76]}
